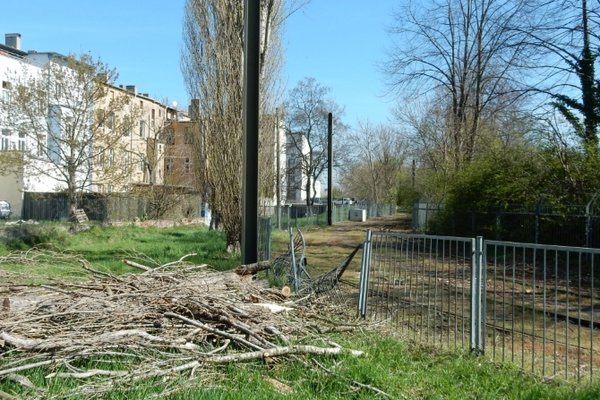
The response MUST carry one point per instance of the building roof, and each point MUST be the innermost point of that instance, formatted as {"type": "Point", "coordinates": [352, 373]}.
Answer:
{"type": "Point", "coordinates": [11, 52]}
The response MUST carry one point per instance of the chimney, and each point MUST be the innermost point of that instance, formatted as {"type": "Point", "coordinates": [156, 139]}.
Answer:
{"type": "Point", "coordinates": [131, 88]}
{"type": "Point", "coordinates": [194, 110]}
{"type": "Point", "coordinates": [13, 40]}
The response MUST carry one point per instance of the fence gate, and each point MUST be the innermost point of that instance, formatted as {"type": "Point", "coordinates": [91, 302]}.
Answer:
{"type": "Point", "coordinates": [422, 284]}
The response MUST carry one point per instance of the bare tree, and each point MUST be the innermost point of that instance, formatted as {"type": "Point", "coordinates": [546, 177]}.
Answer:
{"type": "Point", "coordinates": [72, 128]}
{"type": "Point", "coordinates": [379, 154]}
{"type": "Point", "coordinates": [570, 41]}
{"type": "Point", "coordinates": [466, 55]}
{"type": "Point", "coordinates": [306, 121]}
{"type": "Point", "coordinates": [212, 64]}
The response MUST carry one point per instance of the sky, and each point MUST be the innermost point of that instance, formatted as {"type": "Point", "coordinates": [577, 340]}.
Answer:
{"type": "Point", "coordinates": [338, 42]}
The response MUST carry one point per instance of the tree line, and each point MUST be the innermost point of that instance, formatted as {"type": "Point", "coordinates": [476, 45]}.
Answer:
{"type": "Point", "coordinates": [497, 105]}
{"type": "Point", "coordinates": [499, 102]}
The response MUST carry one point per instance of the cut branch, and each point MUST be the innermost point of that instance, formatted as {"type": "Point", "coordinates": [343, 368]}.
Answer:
{"type": "Point", "coordinates": [281, 351]}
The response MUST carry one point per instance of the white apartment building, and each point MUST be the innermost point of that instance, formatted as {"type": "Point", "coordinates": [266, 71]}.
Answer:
{"type": "Point", "coordinates": [296, 148]}
{"type": "Point", "coordinates": [14, 179]}
{"type": "Point", "coordinates": [35, 161]}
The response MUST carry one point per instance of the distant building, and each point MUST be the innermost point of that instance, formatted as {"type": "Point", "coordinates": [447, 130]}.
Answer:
{"type": "Point", "coordinates": [296, 150]}
{"type": "Point", "coordinates": [183, 149]}
{"type": "Point", "coordinates": [14, 178]}
{"type": "Point", "coordinates": [123, 158]}
{"type": "Point", "coordinates": [140, 154]}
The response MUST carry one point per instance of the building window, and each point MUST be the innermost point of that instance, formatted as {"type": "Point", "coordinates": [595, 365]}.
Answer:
{"type": "Point", "coordinates": [6, 86]}
{"type": "Point", "coordinates": [188, 138]}
{"type": "Point", "coordinates": [168, 136]}
{"type": "Point", "coordinates": [58, 91]}
{"type": "Point", "coordinates": [187, 166]}
{"type": "Point", "coordinates": [142, 128]}
{"type": "Point", "coordinates": [110, 122]}
{"type": "Point", "coordinates": [126, 126]}
{"type": "Point", "coordinates": [169, 166]}
{"type": "Point", "coordinates": [5, 146]}
{"type": "Point", "coordinates": [21, 141]}
{"type": "Point", "coordinates": [100, 114]}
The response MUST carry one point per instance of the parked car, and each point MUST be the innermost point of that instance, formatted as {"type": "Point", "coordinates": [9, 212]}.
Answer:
{"type": "Point", "coordinates": [4, 209]}
{"type": "Point", "coordinates": [343, 201]}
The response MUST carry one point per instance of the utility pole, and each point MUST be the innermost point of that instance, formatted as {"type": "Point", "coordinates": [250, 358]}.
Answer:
{"type": "Point", "coordinates": [278, 172]}
{"type": "Point", "coordinates": [249, 240]}
{"type": "Point", "coordinates": [329, 169]}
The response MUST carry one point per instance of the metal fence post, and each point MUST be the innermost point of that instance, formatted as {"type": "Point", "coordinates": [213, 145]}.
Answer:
{"type": "Point", "coordinates": [293, 260]}
{"type": "Point", "coordinates": [477, 317]}
{"type": "Point", "coordinates": [363, 284]}
{"type": "Point", "coordinates": [536, 224]}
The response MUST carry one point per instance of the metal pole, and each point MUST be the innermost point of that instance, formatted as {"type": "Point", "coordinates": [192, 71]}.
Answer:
{"type": "Point", "coordinates": [249, 242]}
{"type": "Point", "coordinates": [329, 169]}
{"type": "Point", "coordinates": [363, 283]}
{"type": "Point", "coordinates": [477, 317]}
{"type": "Point", "coordinates": [414, 172]}
{"type": "Point", "coordinates": [296, 284]}
{"type": "Point", "coordinates": [278, 172]}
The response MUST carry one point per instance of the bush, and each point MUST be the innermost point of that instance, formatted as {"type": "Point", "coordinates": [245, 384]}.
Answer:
{"type": "Point", "coordinates": [23, 237]}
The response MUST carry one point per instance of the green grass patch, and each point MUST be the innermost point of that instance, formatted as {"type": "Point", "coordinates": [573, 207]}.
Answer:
{"type": "Point", "coordinates": [402, 371]}
{"type": "Point", "coordinates": [106, 247]}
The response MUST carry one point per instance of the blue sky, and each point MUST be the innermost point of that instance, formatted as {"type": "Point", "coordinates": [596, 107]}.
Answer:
{"type": "Point", "coordinates": [338, 42]}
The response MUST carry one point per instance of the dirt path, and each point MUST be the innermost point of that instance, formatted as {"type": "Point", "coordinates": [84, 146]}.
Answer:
{"type": "Point", "coordinates": [327, 247]}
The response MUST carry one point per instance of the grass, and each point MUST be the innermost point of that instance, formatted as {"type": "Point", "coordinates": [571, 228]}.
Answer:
{"type": "Point", "coordinates": [105, 247]}
{"type": "Point", "coordinates": [400, 368]}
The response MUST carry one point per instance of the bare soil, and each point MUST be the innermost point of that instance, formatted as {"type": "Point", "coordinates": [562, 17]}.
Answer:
{"type": "Point", "coordinates": [328, 246]}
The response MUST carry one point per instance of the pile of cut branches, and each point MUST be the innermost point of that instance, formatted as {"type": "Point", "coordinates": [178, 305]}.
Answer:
{"type": "Point", "coordinates": [165, 321]}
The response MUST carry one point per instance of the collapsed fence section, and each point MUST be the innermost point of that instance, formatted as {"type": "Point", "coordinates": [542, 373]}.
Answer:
{"type": "Point", "coordinates": [531, 305]}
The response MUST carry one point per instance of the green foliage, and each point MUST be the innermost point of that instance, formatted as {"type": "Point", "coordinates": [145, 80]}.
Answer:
{"type": "Point", "coordinates": [495, 182]}
{"type": "Point", "coordinates": [23, 237]}
{"type": "Point", "coordinates": [488, 185]}
{"type": "Point", "coordinates": [571, 175]}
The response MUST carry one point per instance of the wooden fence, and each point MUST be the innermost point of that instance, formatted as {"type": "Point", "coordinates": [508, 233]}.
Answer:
{"type": "Point", "coordinates": [114, 206]}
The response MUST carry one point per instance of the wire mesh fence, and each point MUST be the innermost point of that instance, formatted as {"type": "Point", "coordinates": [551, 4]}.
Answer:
{"type": "Point", "coordinates": [540, 308]}
{"type": "Point", "coordinates": [528, 304]}
{"type": "Point", "coordinates": [421, 284]}
{"type": "Point", "coordinates": [301, 215]}
{"type": "Point", "coordinates": [572, 225]}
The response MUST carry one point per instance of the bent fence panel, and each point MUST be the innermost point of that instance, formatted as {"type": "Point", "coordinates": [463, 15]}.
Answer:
{"type": "Point", "coordinates": [531, 305]}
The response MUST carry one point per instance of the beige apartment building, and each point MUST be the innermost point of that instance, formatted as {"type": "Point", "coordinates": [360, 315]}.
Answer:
{"type": "Point", "coordinates": [138, 157]}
